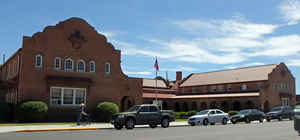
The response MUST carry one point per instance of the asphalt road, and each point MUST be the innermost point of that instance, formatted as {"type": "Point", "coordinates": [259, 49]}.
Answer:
{"type": "Point", "coordinates": [255, 131]}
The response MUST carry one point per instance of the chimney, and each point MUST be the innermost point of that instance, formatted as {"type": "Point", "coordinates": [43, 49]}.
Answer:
{"type": "Point", "coordinates": [178, 76]}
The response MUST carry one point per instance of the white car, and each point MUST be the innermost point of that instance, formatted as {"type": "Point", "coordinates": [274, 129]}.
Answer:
{"type": "Point", "coordinates": [210, 116]}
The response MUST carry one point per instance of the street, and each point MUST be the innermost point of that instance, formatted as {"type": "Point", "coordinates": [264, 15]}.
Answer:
{"type": "Point", "coordinates": [266, 131]}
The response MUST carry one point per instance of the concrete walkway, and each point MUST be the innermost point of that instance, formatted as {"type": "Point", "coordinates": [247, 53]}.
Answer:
{"type": "Point", "coordinates": [74, 127]}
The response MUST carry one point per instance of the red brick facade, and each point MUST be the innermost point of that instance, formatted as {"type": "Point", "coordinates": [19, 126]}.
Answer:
{"type": "Point", "coordinates": [74, 40]}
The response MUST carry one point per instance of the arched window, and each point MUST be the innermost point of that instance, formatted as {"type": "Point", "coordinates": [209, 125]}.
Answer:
{"type": "Point", "coordinates": [107, 68]}
{"type": "Point", "coordinates": [69, 64]}
{"type": "Point", "coordinates": [81, 66]}
{"type": "Point", "coordinates": [57, 63]}
{"type": "Point", "coordinates": [244, 87]}
{"type": "Point", "coordinates": [92, 66]}
{"type": "Point", "coordinates": [38, 61]}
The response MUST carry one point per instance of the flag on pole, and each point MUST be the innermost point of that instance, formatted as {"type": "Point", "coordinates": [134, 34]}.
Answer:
{"type": "Point", "coordinates": [156, 64]}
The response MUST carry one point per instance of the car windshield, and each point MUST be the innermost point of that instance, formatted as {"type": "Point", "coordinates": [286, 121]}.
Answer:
{"type": "Point", "coordinates": [202, 112]}
{"type": "Point", "coordinates": [276, 109]}
{"type": "Point", "coordinates": [297, 108]}
{"type": "Point", "coordinates": [133, 109]}
{"type": "Point", "coordinates": [243, 111]}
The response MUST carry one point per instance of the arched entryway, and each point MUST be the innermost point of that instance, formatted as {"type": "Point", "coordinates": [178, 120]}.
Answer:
{"type": "Point", "coordinates": [126, 103]}
{"type": "Point", "coordinates": [266, 106]}
{"type": "Point", "coordinates": [194, 106]}
{"type": "Point", "coordinates": [185, 107]}
{"type": "Point", "coordinates": [213, 105]}
{"type": "Point", "coordinates": [177, 107]}
{"type": "Point", "coordinates": [203, 106]}
{"type": "Point", "coordinates": [236, 105]}
{"type": "Point", "coordinates": [224, 106]}
{"type": "Point", "coordinates": [250, 105]}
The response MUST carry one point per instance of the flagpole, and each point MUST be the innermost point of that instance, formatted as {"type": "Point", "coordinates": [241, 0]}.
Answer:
{"type": "Point", "coordinates": [156, 83]}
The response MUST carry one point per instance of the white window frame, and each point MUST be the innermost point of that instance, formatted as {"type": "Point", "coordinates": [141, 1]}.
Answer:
{"type": "Point", "coordinates": [83, 65]}
{"type": "Point", "coordinates": [41, 59]}
{"type": "Point", "coordinates": [109, 71]}
{"type": "Point", "coordinates": [92, 62]}
{"type": "Point", "coordinates": [284, 101]}
{"type": "Point", "coordinates": [62, 96]}
{"type": "Point", "coordinates": [59, 67]}
{"type": "Point", "coordinates": [65, 67]}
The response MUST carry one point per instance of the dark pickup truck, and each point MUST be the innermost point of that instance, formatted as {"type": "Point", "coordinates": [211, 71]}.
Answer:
{"type": "Point", "coordinates": [280, 112]}
{"type": "Point", "coordinates": [147, 114]}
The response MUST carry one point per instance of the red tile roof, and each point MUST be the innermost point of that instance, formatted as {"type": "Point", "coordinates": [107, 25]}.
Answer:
{"type": "Point", "coordinates": [152, 83]}
{"type": "Point", "coordinates": [172, 96]}
{"type": "Point", "coordinates": [257, 73]}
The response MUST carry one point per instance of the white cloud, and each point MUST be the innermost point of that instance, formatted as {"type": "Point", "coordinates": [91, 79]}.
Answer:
{"type": "Point", "coordinates": [179, 68]}
{"type": "Point", "coordinates": [254, 64]}
{"type": "Point", "coordinates": [290, 10]}
{"type": "Point", "coordinates": [294, 62]}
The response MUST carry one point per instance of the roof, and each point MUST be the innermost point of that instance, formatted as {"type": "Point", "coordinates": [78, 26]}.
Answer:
{"type": "Point", "coordinates": [228, 95]}
{"type": "Point", "coordinates": [256, 73]}
{"type": "Point", "coordinates": [152, 83]}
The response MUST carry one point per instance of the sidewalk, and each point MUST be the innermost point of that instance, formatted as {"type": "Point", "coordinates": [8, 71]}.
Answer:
{"type": "Point", "coordinates": [74, 127]}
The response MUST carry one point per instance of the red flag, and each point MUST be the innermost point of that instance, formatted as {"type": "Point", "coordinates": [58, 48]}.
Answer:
{"type": "Point", "coordinates": [156, 65]}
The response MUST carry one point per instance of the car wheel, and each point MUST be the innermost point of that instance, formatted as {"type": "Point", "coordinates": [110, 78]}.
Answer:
{"type": "Point", "coordinates": [261, 120]}
{"type": "Point", "coordinates": [193, 124]}
{"type": "Point", "coordinates": [291, 117]}
{"type": "Point", "coordinates": [280, 118]}
{"type": "Point", "coordinates": [247, 120]}
{"type": "Point", "coordinates": [165, 123]}
{"type": "Point", "coordinates": [129, 123]}
{"type": "Point", "coordinates": [153, 125]}
{"type": "Point", "coordinates": [118, 126]}
{"type": "Point", "coordinates": [205, 122]}
{"type": "Point", "coordinates": [224, 122]}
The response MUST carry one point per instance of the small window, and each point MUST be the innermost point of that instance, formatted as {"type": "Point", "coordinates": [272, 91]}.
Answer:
{"type": "Point", "coordinates": [92, 66]}
{"type": "Point", "coordinates": [244, 87]}
{"type": "Point", "coordinates": [107, 68]}
{"type": "Point", "coordinates": [69, 64]}
{"type": "Point", "coordinates": [219, 112]}
{"type": "Point", "coordinates": [81, 66]}
{"type": "Point", "coordinates": [57, 63]}
{"type": "Point", "coordinates": [38, 61]}
{"type": "Point", "coordinates": [194, 90]}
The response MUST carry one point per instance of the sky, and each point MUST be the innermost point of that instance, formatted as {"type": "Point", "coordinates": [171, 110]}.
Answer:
{"type": "Point", "coordinates": [190, 36]}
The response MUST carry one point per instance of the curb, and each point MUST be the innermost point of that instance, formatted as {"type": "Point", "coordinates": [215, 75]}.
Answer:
{"type": "Point", "coordinates": [80, 129]}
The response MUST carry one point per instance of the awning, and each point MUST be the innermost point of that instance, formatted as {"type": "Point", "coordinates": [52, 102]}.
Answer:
{"type": "Point", "coordinates": [172, 96]}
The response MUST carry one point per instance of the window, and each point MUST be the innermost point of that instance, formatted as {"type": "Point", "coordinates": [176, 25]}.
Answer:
{"type": "Point", "coordinates": [38, 61]}
{"type": "Point", "coordinates": [229, 87]}
{"type": "Point", "coordinates": [81, 66]}
{"type": "Point", "coordinates": [220, 88]}
{"type": "Point", "coordinates": [213, 88]}
{"type": "Point", "coordinates": [107, 68]}
{"type": "Point", "coordinates": [219, 112]}
{"type": "Point", "coordinates": [92, 66]}
{"type": "Point", "coordinates": [67, 96]}
{"type": "Point", "coordinates": [144, 109]}
{"type": "Point", "coordinates": [194, 90]}
{"type": "Point", "coordinates": [153, 109]}
{"type": "Point", "coordinates": [69, 64]}
{"type": "Point", "coordinates": [244, 87]}
{"type": "Point", "coordinates": [284, 102]}
{"type": "Point", "coordinates": [57, 63]}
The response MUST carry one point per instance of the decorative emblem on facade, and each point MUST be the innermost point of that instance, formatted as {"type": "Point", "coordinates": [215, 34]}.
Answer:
{"type": "Point", "coordinates": [77, 39]}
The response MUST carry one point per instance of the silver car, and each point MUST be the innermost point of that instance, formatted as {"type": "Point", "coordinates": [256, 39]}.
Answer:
{"type": "Point", "coordinates": [210, 116]}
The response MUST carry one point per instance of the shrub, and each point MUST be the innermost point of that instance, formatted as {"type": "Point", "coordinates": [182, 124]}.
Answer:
{"type": "Point", "coordinates": [32, 111]}
{"type": "Point", "coordinates": [184, 115]}
{"type": "Point", "coordinates": [191, 113]}
{"type": "Point", "coordinates": [5, 112]}
{"type": "Point", "coordinates": [232, 112]}
{"type": "Point", "coordinates": [105, 110]}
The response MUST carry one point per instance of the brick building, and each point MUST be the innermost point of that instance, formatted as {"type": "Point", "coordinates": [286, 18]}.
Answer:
{"type": "Point", "coordinates": [71, 63]}
{"type": "Point", "coordinates": [260, 87]}
{"type": "Point", "coordinates": [68, 64]}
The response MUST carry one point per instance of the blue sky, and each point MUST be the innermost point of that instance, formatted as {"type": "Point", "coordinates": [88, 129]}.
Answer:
{"type": "Point", "coordinates": [190, 36]}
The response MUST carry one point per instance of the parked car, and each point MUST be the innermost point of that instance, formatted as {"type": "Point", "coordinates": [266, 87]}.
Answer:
{"type": "Point", "coordinates": [279, 113]}
{"type": "Point", "coordinates": [142, 115]}
{"type": "Point", "coordinates": [297, 118]}
{"type": "Point", "coordinates": [210, 116]}
{"type": "Point", "coordinates": [247, 116]}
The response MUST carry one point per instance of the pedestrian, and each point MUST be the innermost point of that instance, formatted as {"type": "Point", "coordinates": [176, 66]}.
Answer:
{"type": "Point", "coordinates": [81, 112]}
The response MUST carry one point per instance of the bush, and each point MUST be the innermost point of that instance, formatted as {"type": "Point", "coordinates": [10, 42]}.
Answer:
{"type": "Point", "coordinates": [5, 112]}
{"type": "Point", "coordinates": [232, 112]}
{"type": "Point", "coordinates": [184, 115]}
{"type": "Point", "coordinates": [32, 111]}
{"type": "Point", "coordinates": [105, 110]}
{"type": "Point", "coordinates": [191, 113]}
